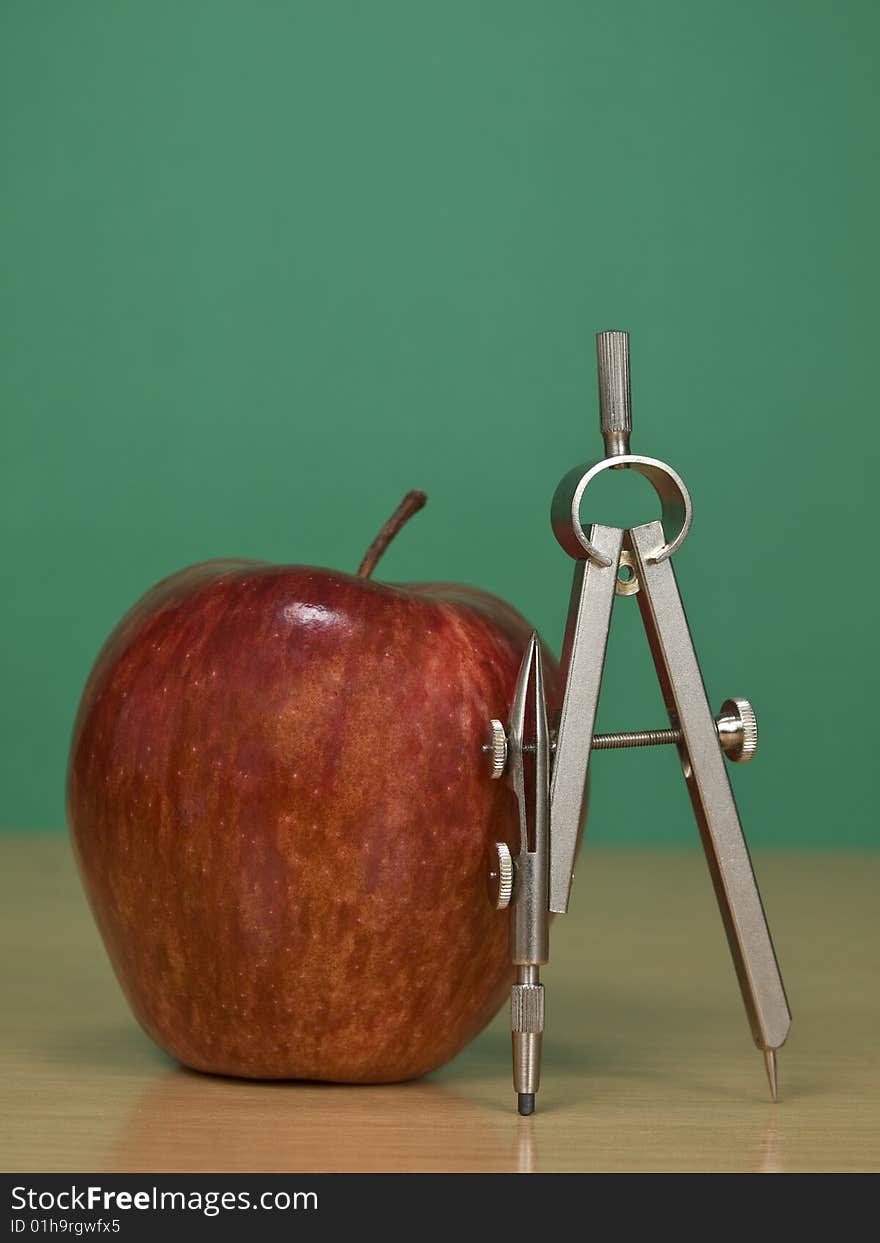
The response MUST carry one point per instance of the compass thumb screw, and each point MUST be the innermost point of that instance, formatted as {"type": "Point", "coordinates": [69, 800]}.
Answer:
{"type": "Point", "coordinates": [737, 728]}
{"type": "Point", "coordinates": [496, 749]}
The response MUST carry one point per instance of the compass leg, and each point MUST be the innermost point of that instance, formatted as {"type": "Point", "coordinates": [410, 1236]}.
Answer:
{"type": "Point", "coordinates": [711, 795]}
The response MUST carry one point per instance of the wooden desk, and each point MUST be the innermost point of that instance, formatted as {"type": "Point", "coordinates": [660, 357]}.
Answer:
{"type": "Point", "coordinates": [648, 1062]}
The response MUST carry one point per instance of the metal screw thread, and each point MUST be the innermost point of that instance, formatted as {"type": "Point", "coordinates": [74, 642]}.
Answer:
{"type": "Point", "coordinates": [736, 727]}
{"type": "Point", "coordinates": [615, 407]}
{"type": "Point", "coordinates": [637, 738]}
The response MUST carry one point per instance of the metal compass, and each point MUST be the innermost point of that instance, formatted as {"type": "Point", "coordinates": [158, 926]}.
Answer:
{"type": "Point", "coordinates": [548, 770]}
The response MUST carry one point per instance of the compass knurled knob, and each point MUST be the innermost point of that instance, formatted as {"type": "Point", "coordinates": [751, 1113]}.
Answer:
{"type": "Point", "coordinates": [501, 876]}
{"type": "Point", "coordinates": [497, 749]}
{"type": "Point", "coordinates": [747, 742]}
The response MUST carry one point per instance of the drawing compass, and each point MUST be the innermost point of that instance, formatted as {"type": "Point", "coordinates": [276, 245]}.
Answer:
{"type": "Point", "coordinates": [547, 764]}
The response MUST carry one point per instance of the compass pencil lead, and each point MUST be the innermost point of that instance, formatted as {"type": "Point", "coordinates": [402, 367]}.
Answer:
{"type": "Point", "coordinates": [525, 1103]}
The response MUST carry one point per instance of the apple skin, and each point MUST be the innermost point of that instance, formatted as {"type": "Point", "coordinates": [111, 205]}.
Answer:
{"type": "Point", "coordinates": [281, 810]}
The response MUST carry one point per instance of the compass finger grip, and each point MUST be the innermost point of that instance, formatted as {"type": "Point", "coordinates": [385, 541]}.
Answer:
{"type": "Point", "coordinates": [615, 406]}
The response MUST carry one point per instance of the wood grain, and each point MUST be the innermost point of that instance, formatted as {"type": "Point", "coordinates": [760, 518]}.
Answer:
{"type": "Point", "coordinates": [648, 1064]}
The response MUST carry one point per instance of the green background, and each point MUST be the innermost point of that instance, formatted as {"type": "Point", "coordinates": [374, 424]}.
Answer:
{"type": "Point", "coordinates": [266, 266]}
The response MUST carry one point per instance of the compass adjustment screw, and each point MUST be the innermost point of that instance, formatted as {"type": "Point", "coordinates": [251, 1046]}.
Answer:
{"type": "Point", "coordinates": [501, 876]}
{"type": "Point", "coordinates": [737, 728]}
{"type": "Point", "coordinates": [496, 749]}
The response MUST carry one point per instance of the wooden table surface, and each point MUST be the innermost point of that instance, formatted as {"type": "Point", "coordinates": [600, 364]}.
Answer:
{"type": "Point", "coordinates": [648, 1061]}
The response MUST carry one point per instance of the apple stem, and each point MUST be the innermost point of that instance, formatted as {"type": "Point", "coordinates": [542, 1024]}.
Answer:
{"type": "Point", "coordinates": [411, 504]}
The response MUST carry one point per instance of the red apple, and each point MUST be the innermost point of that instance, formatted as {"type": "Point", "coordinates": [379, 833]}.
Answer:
{"type": "Point", "coordinates": [281, 811]}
